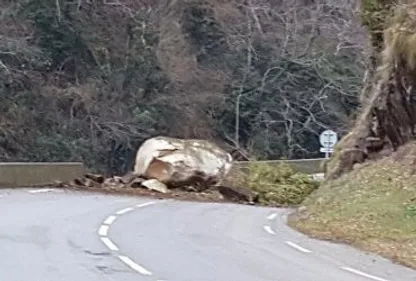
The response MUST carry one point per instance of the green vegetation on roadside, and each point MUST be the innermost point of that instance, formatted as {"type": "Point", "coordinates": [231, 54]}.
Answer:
{"type": "Point", "coordinates": [279, 184]}
{"type": "Point", "coordinates": [373, 208]}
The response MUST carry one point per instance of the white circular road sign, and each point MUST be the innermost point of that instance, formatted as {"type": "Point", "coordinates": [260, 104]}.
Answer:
{"type": "Point", "coordinates": [328, 138]}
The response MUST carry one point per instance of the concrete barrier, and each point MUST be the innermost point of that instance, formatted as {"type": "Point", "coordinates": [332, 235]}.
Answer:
{"type": "Point", "coordinates": [307, 166]}
{"type": "Point", "coordinates": [21, 174]}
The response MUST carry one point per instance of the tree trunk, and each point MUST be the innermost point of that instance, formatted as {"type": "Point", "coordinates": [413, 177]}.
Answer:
{"type": "Point", "coordinates": [388, 115]}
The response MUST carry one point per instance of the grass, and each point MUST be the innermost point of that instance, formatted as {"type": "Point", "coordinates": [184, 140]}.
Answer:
{"type": "Point", "coordinates": [278, 184]}
{"type": "Point", "coordinates": [372, 208]}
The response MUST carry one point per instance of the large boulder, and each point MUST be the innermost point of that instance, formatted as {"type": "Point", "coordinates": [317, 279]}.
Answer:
{"type": "Point", "coordinates": [182, 162]}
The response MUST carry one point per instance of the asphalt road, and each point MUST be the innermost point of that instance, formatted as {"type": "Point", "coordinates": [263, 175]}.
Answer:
{"type": "Point", "coordinates": [65, 235]}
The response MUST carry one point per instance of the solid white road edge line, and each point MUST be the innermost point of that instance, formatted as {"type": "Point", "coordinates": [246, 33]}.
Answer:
{"type": "Point", "coordinates": [103, 230]}
{"type": "Point", "coordinates": [352, 270]}
{"type": "Point", "coordinates": [123, 211]}
{"type": "Point", "coordinates": [272, 216]}
{"type": "Point", "coordinates": [297, 247]}
{"type": "Point", "coordinates": [134, 266]}
{"type": "Point", "coordinates": [42, 190]}
{"type": "Point", "coordinates": [269, 229]}
{"type": "Point", "coordinates": [110, 220]}
{"type": "Point", "coordinates": [109, 243]}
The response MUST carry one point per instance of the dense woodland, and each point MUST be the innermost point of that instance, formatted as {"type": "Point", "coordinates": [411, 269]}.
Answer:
{"type": "Point", "coordinates": [90, 80]}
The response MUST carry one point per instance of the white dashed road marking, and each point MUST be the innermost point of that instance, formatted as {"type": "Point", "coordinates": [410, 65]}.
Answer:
{"type": "Point", "coordinates": [352, 270]}
{"type": "Point", "coordinates": [110, 220]}
{"type": "Point", "coordinates": [109, 243]}
{"type": "Point", "coordinates": [103, 233]}
{"type": "Point", "coordinates": [103, 230]}
{"type": "Point", "coordinates": [135, 266]}
{"type": "Point", "coordinates": [124, 211]}
{"type": "Point", "coordinates": [297, 247]}
{"type": "Point", "coordinates": [269, 229]}
{"type": "Point", "coordinates": [272, 216]}
{"type": "Point", "coordinates": [145, 204]}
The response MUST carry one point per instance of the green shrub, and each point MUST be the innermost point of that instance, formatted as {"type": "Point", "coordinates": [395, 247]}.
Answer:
{"type": "Point", "coordinates": [410, 211]}
{"type": "Point", "coordinates": [279, 185]}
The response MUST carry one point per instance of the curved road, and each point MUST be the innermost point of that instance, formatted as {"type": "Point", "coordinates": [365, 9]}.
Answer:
{"type": "Point", "coordinates": [49, 235]}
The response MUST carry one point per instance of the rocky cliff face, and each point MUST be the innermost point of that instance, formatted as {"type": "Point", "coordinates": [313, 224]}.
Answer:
{"type": "Point", "coordinates": [388, 117]}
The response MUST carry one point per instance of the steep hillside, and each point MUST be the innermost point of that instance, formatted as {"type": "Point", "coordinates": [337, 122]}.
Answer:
{"type": "Point", "coordinates": [369, 196]}
{"type": "Point", "coordinates": [372, 207]}
{"type": "Point", "coordinates": [90, 80]}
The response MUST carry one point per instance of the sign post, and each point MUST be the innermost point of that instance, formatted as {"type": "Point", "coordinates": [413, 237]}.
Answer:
{"type": "Point", "coordinates": [328, 139]}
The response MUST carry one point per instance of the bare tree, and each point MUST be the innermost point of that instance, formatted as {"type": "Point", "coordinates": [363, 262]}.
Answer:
{"type": "Point", "coordinates": [305, 41]}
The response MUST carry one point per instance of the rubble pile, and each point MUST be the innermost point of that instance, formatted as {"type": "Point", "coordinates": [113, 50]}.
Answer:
{"type": "Point", "coordinates": [176, 167]}
{"type": "Point", "coordinates": [130, 184]}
